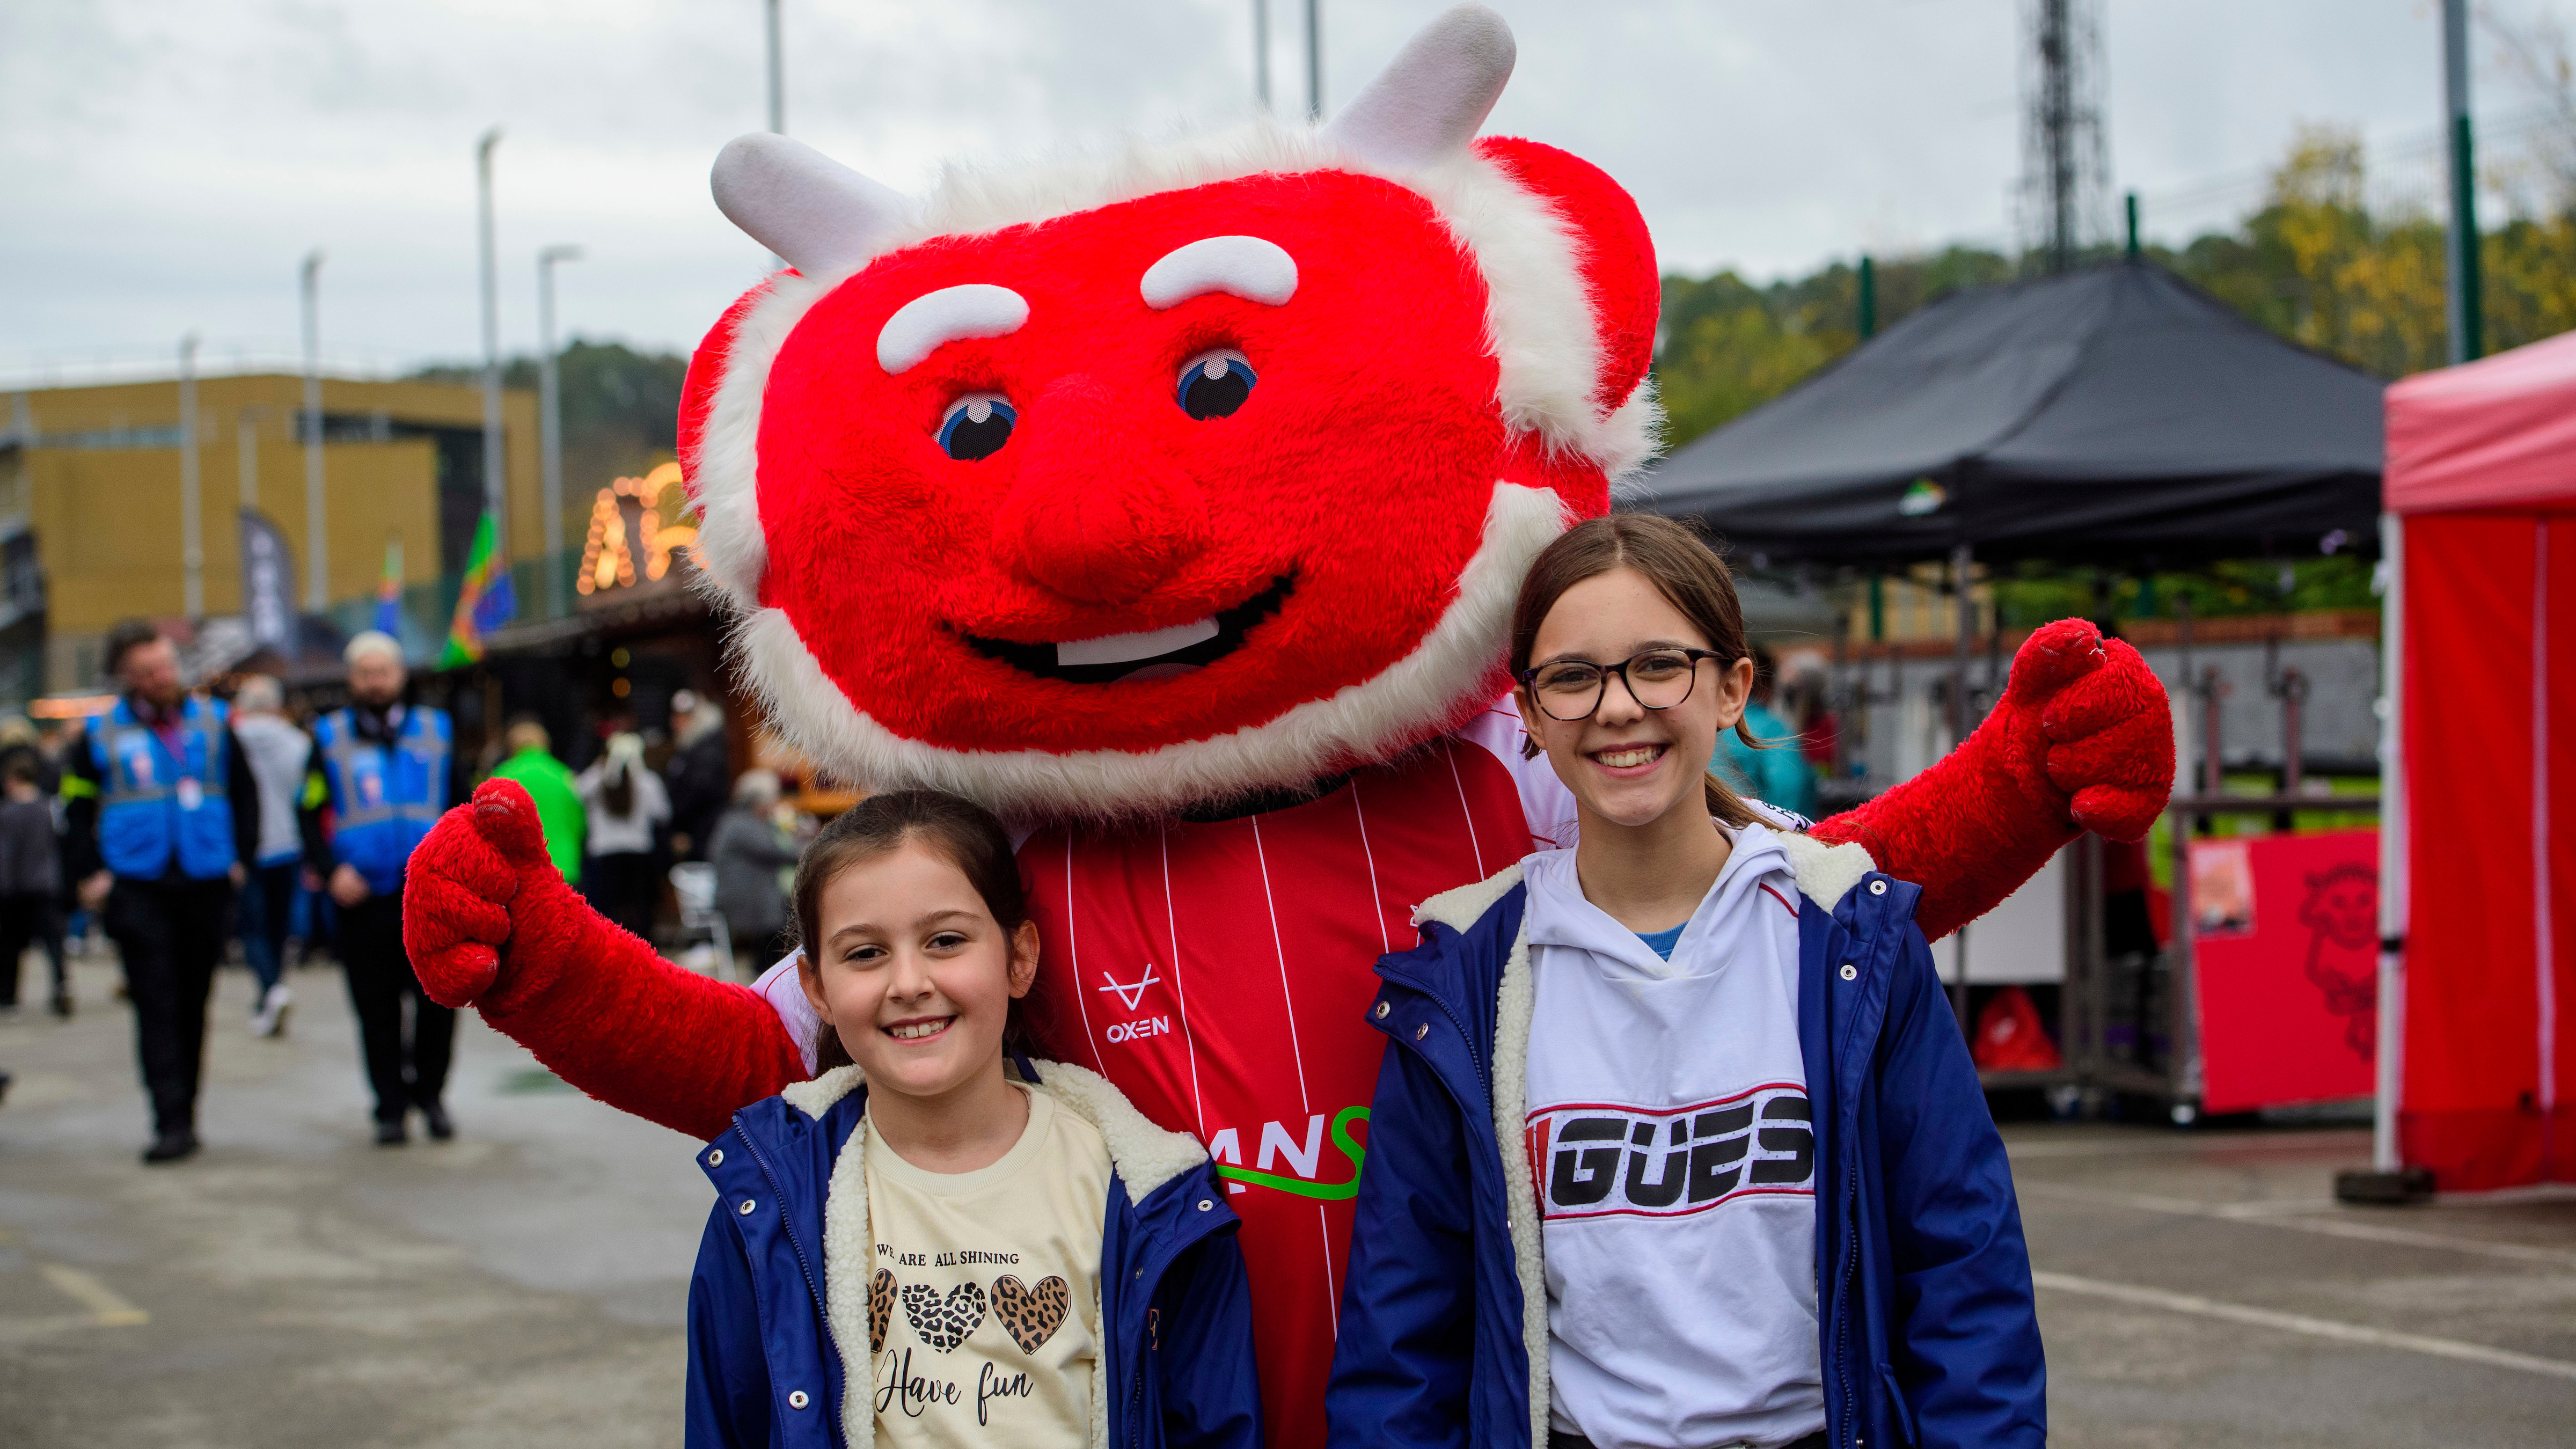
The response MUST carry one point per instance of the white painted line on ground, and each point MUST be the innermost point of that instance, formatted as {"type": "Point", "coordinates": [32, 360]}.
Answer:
{"type": "Point", "coordinates": [2300, 1323]}
{"type": "Point", "coordinates": [2035, 1149]}
{"type": "Point", "coordinates": [2279, 1213]}
{"type": "Point", "coordinates": [106, 1308]}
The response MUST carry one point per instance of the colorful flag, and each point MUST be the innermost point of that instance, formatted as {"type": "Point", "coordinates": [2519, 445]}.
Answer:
{"type": "Point", "coordinates": [484, 604]}
{"type": "Point", "coordinates": [389, 591]}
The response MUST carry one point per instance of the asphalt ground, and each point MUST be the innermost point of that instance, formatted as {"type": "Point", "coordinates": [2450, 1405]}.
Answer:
{"type": "Point", "coordinates": [524, 1285]}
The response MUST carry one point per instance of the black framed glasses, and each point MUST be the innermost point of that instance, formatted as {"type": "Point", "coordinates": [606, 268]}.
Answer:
{"type": "Point", "coordinates": [1569, 690]}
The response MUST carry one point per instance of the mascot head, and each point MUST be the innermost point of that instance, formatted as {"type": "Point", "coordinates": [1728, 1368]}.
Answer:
{"type": "Point", "coordinates": [1157, 479]}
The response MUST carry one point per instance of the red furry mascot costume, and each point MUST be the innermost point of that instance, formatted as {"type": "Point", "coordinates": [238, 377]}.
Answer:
{"type": "Point", "coordinates": [1173, 505]}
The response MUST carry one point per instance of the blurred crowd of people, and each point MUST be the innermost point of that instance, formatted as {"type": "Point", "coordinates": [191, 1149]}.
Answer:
{"type": "Point", "coordinates": [182, 826]}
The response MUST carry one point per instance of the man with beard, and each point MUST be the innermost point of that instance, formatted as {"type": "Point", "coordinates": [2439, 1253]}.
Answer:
{"type": "Point", "coordinates": [386, 769]}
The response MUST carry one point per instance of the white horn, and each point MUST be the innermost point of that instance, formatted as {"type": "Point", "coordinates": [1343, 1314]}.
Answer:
{"type": "Point", "coordinates": [818, 214]}
{"type": "Point", "coordinates": [1429, 101]}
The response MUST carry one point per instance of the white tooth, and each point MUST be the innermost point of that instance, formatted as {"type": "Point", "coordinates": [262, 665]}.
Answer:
{"type": "Point", "coordinates": [1119, 648]}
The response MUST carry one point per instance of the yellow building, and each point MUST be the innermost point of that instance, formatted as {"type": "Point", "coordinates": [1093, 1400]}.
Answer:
{"type": "Point", "coordinates": [90, 488]}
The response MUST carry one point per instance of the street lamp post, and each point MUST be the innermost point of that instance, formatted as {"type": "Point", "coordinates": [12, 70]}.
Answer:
{"type": "Point", "coordinates": [550, 419]}
{"type": "Point", "coordinates": [777, 73]}
{"type": "Point", "coordinates": [496, 494]}
{"type": "Point", "coordinates": [1261, 54]}
{"type": "Point", "coordinates": [317, 561]}
{"type": "Point", "coordinates": [1315, 60]}
{"type": "Point", "coordinates": [192, 537]}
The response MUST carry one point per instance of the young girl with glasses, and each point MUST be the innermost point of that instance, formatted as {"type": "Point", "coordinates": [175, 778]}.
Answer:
{"type": "Point", "coordinates": [1677, 1143]}
{"type": "Point", "coordinates": [937, 1241]}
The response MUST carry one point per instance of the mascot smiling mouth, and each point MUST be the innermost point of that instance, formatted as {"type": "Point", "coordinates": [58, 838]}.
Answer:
{"type": "Point", "coordinates": [1136, 658]}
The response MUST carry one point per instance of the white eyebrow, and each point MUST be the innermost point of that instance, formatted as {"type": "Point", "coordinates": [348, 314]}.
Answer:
{"type": "Point", "coordinates": [919, 326]}
{"type": "Point", "coordinates": [1241, 266]}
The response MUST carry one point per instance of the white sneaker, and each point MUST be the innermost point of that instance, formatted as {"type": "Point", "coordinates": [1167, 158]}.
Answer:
{"type": "Point", "coordinates": [269, 1018]}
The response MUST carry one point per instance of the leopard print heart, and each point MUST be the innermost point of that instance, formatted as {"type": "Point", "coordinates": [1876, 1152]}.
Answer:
{"type": "Point", "coordinates": [880, 1309]}
{"type": "Point", "coordinates": [1030, 1315]}
{"type": "Point", "coordinates": [943, 1323]}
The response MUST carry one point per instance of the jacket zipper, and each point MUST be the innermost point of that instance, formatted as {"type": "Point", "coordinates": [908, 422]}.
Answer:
{"type": "Point", "coordinates": [1153, 1284]}
{"type": "Point", "coordinates": [1851, 1281]}
{"type": "Point", "coordinates": [787, 1225]}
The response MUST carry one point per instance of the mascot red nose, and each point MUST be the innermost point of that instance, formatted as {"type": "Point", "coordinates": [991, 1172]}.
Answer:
{"type": "Point", "coordinates": [1172, 503]}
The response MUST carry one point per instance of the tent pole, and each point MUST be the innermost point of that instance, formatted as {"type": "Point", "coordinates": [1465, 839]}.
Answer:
{"type": "Point", "coordinates": [2389, 1068]}
{"type": "Point", "coordinates": [1962, 560]}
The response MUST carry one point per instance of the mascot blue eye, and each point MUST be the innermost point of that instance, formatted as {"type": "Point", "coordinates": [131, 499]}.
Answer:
{"type": "Point", "coordinates": [1214, 384]}
{"type": "Point", "coordinates": [976, 426]}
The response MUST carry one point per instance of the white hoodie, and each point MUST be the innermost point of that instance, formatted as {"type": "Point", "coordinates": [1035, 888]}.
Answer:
{"type": "Point", "coordinates": [1674, 1160]}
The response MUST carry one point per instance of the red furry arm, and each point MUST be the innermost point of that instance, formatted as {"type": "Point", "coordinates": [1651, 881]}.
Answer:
{"type": "Point", "coordinates": [2081, 740]}
{"type": "Point", "coordinates": [489, 922]}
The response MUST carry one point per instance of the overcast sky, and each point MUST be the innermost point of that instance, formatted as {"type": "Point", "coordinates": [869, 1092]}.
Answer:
{"type": "Point", "coordinates": [164, 166]}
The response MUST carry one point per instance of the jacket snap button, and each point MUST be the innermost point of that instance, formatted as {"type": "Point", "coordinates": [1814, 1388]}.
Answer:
{"type": "Point", "coordinates": [1850, 972]}
{"type": "Point", "coordinates": [1383, 1008]}
{"type": "Point", "coordinates": [1422, 1031]}
{"type": "Point", "coordinates": [1878, 887]}
{"type": "Point", "coordinates": [716, 1158]}
{"type": "Point", "coordinates": [797, 1400]}
{"type": "Point", "coordinates": [1205, 1204]}
{"type": "Point", "coordinates": [748, 1206]}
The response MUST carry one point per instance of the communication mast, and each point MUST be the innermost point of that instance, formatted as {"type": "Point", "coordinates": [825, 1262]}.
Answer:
{"type": "Point", "coordinates": [2065, 190]}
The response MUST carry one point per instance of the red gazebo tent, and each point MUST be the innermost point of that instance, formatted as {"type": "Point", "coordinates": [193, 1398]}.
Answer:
{"type": "Point", "coordinates": [2477, 1059]}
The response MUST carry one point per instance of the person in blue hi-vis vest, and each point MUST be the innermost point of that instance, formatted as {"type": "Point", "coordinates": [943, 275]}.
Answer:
{"type": "Point", "coordinates": [161, 810]}
{"type": "Point", "coordinates": [383, 771]}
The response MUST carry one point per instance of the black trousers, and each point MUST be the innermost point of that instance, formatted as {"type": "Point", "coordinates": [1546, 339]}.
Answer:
{"type": "Point", "coordinates": [405, 1069]}
{"type": "Point", "coordinates": [170, 934]}
{"type": "Point", "coordinates": [25, 920]}
{"type": "Point", "coordinates": [623, 887]}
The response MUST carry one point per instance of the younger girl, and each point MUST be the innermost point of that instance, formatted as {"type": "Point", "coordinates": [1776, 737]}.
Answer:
{"type": "Point", "coordinates": [938, 1241]}
{"type": "Point", "coordinates": [1677, 1144]}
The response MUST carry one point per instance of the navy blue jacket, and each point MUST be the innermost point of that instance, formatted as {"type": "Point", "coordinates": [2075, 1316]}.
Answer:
{"type": "Point", "coordinates": [1928, 1334]}
{"type": "Point", "coordinates": [764, 1364]}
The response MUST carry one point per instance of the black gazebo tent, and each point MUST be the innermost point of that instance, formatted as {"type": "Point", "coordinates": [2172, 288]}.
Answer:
{"type": "Point", "coordinates": [2118, 412]}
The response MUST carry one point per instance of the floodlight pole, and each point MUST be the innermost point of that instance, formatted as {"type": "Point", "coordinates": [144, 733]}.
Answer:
{"type": "Point", "coordinates": [317, 553]}
{"type": "Point", "coordinates": [550, 417]}
{"type": "Point", "coordinates": [496, 495]}
{"type": "Point", "coordinates": [2461, 296]}
{"type": "Point", "coordinates": [192, 536]}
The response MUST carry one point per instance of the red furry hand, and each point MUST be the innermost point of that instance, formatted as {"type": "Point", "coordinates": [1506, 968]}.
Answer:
{"type": "Point", "coordinates": [2104, 730]}
{"type": "Point", "coordinates": [478, 871]}
{"type": "Point", "coordinates": [456, 898]}
{"type": "Point", "coordinates": [490, 923]}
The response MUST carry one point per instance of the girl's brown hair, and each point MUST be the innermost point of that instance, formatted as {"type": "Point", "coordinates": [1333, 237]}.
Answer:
{"type": "Point", "coordinates": [1691, 578]}
{"type": "Point", "coordinates": [958, 831]}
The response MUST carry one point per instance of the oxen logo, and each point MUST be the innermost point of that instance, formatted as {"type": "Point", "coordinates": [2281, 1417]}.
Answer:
{"type": "Point", "coordinates": [1598, 1160]}
{"type": "Point", "coordinates": [2341, 913]}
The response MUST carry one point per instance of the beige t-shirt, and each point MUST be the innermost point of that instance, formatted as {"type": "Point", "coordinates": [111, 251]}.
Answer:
{"type": "Point", "coordinates": [983, 1306]}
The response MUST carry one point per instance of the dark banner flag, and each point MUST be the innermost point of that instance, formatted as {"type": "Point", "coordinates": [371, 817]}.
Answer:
{"type": "Point", "coordinates": [268, 583]}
